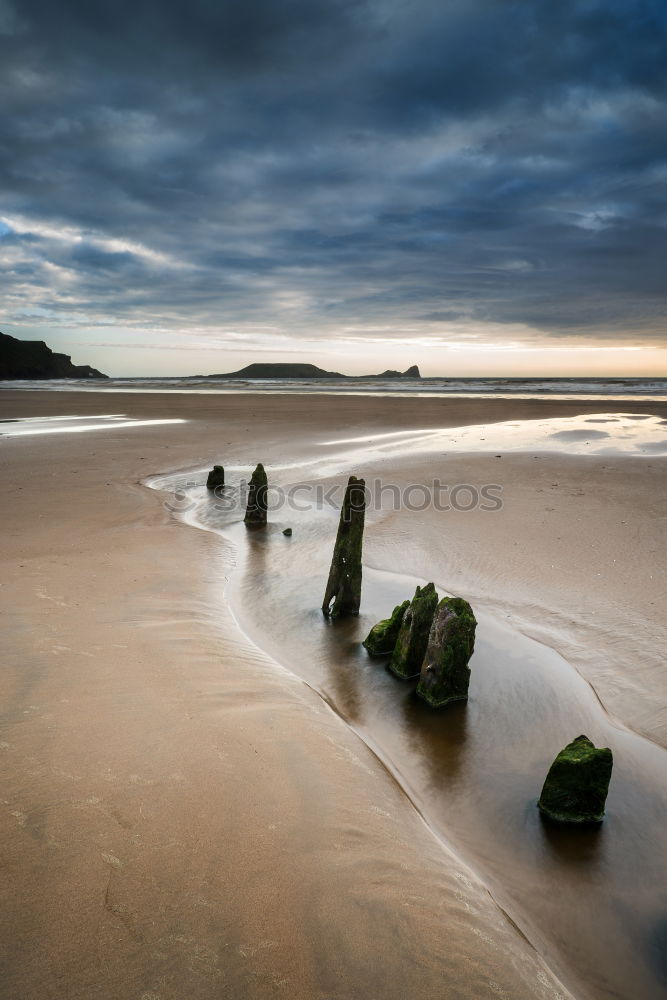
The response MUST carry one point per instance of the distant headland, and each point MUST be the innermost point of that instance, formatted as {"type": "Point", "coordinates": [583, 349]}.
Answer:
{"type": "Point", "coordinates": [292, 371]}
{"type": "Point", "coordinates": [33, 359]}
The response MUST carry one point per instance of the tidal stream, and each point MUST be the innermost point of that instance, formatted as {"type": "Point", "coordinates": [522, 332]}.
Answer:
{"type": "Point", "coordinates": [593, 901]}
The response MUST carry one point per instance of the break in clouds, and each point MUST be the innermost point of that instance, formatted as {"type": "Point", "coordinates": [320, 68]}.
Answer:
{"type": "Point", "coordinates": [302, 166]}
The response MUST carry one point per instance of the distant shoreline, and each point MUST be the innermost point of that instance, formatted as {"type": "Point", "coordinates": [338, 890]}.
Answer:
{"type": "Point", "coordinates": [644, 387]}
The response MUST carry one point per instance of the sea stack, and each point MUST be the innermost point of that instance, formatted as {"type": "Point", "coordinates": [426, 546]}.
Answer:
{"type": "Point", "coordinates": [410, 648]}
{"type": "Point", "coordinates": [255, 515]}
{"type": "Point", "coordinates": [445, 673]}
{"type": "Point", "coordinates": [575, 790]}
{"type": "Point", "coordinates": [216, 477]}
{"type": "Point", "coordinates": [381, 639]}
{"type": "Point", "coordinates": [343, 593]}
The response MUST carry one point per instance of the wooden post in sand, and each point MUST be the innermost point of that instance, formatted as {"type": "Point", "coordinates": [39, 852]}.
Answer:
{"type": "Point", "coordinates": [216, 477]}
{"type": "Point", "coordinates": [412, 640]}
{"type": "Point", "coordinates": [445, 673]}
{"type": "Point", "coordinates": [255, 515]}
{"type": "Point", "coordinates": [343, 593]}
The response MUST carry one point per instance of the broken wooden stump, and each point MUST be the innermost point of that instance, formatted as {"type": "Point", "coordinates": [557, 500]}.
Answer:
{"type": "Point", "coordinates": [255, 515]}
{"type": "Point", "coordinates": [410, 648]}
{"type": "Point", "coordinates": [216, 477]}
{"type": "Point", "coordinates": [381, 639]}
{"type": "Point", "coordinates": [445, 673]}
{"type": "Point", "coordinates": [343, 592]}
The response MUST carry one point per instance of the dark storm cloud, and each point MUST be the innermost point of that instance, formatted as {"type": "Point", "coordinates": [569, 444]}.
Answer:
{"type": "Point", "coordinates": [304, 163]}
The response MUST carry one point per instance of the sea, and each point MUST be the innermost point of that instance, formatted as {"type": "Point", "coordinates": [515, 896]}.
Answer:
{"type": "Point", "coordinates": [552, 388]}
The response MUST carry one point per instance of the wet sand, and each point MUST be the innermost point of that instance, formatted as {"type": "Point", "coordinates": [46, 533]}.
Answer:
{"type": "Point", "coordinates": [184, 816]}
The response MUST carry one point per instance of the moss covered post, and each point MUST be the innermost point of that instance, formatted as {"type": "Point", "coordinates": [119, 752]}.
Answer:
{"type": "Point", "coordinates": [445, 673]}
{"type": "Point", "coordinates": [343, 593]}
{"type": "Point", "coordinates": [575, 790]}
{"type": "Point", "coordinates": [381, 639]}
{"type": "Point", "coordinates": [412, 639]}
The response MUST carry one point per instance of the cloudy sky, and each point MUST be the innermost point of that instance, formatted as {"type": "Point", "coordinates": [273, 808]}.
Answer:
{"type": "Point", "coordinates": [476, 186]}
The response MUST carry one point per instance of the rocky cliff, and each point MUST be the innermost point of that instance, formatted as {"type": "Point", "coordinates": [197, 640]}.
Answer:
{"type": "Point", "coordinates": [33, 359]}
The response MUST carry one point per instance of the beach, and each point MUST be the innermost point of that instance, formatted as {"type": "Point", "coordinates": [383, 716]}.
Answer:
{"type": "Point", "coordinates": [199, 798]}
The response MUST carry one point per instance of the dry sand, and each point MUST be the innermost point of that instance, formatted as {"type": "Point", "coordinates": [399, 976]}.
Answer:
{"type": "Point", "coordinates": [182, 817]}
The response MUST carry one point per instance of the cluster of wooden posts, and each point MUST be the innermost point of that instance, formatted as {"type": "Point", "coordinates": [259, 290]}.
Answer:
{"type": "Point", "coordinates": [433, 641]}
{"type": "Point", "coordinates": [423, 637]}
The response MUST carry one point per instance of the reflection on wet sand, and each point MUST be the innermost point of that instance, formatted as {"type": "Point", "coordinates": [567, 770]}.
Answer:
{"type": "Point", "coordinates": [577, 849]}
{"type": "Point", "coordinates": [443, 749]}
{"type": "Point", "coordinates": [624, 433]}
{"type": "Point", "coordinates": [32, 426]}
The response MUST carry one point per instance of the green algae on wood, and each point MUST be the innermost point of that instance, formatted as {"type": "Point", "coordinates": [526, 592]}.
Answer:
{"type": "Point", "coordinates": [343, 592]}
{"type": "Point", "coordinates": [575, 790]}
{"type": "Point", "coordinates": [410, 648]}
{"type": "Point", "coordinates": [445, 673]}
{"type": "Point", "coordinates": [216, 477]}
{"type": "Point", "coordinates": [381, 639]}
{"type": "Point", "coordinates": [258, 487]}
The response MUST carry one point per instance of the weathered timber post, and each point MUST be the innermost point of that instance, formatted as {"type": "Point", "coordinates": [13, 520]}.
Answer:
{"type": "Point", "coordinates": [343, 593]}
{"type": "Point", "coordinates": [410, 647]}
{"type": "Point", "coordinates": [445, 673]}
{"type": "Point", "coordinates": [216, 477]}
{"type": "Point", "coordinates": [255, 515]}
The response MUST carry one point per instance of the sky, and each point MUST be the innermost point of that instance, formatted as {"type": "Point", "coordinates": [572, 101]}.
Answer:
{"type": "Point", "coordinates": [474, 186]}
